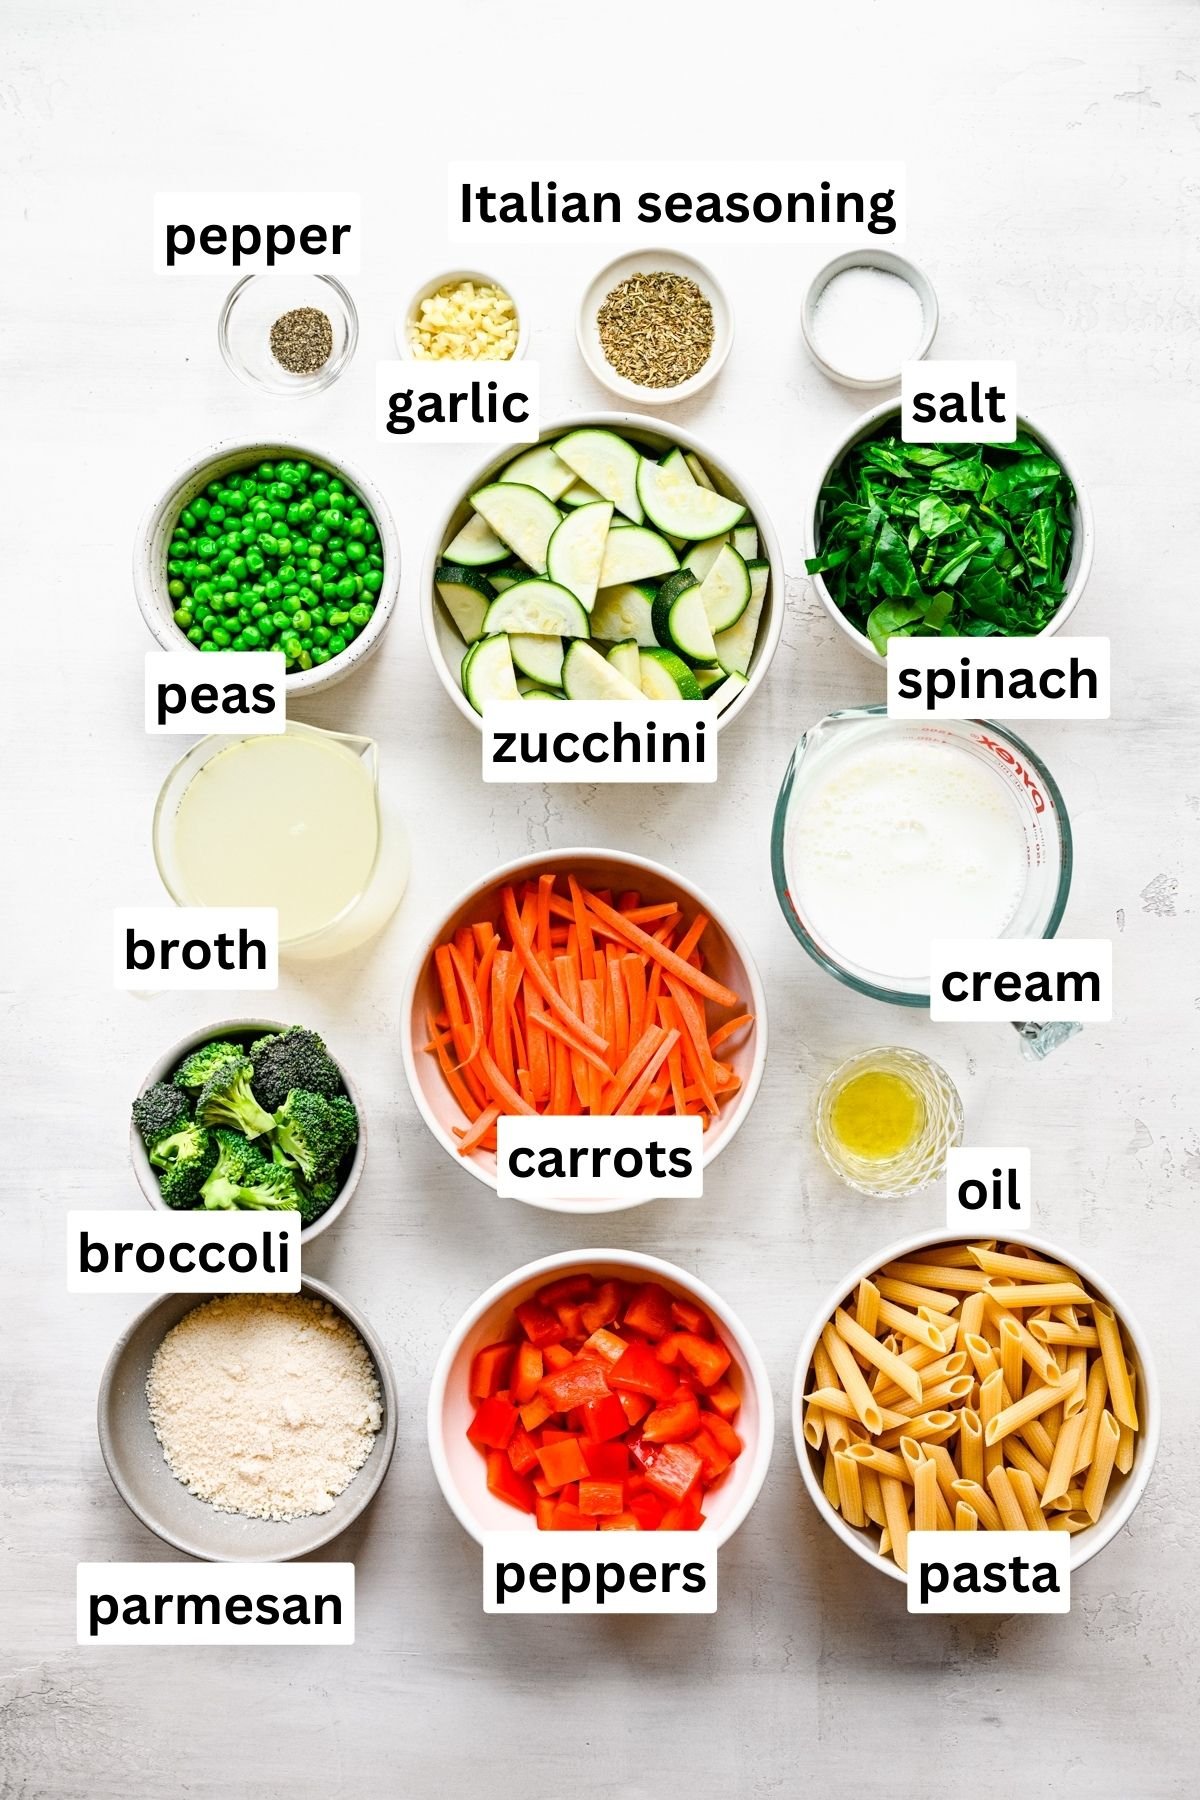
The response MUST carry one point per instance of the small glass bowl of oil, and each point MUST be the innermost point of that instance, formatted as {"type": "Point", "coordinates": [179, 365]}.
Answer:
{"type": "Point", "coordinates": [885, 1120]}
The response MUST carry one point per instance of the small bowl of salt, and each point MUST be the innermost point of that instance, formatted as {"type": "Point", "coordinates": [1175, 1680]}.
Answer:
{"type": "Point", "coordinates": [865, 314]}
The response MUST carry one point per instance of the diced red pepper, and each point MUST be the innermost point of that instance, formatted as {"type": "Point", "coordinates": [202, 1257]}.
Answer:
{"type": "Point", "coordinates": [567, 1287]}
{"type": "Point", "coordinates": [536, 1412]}
{"type": "Point", "coordinates": [624, 1521]}
{"type": "Point", "coordinates": [539, 1324]}
{"type": "Point", "coordinates": [634, 1406]}
{"type": "Point", "coordinates": [569, 1312]}
{"type": "Point", "coordinates": [489, 1369]}
{"type": "Point", "coordinates": [641, 1371]}
{"type": "Point", "coordinates": [604, 1419]}
{"type": "Point", "coordinates": [556, 1356]}
{"type": "Point", "coordinates": [678, 1419]}
{"type": "Point", "coordinates": [543, 1509]}
{"type": "Point", "coordinates": [579, 1382]}
{"type": "Point", "coordinates": [494, 1423]}
{"type": "Point", "coordinates": [506, 1484]}
{"type": "Point", "coordinates": [569, 1518]}
{"type": "Point", "coordinates": [686, 1517]}
{"type": "Point", "coordinates": [722, 1433]}
{"type": "Point", "coordinates": [649, 1311]}
{"type": "Point", "coordinates": [691, 1317]}
{"type": "Point", "coordinates": [725, 1399]}
{"type": "Point", "coordinates": [605, 1345]}
{"type": "Point", "coordinates": [604, 1308]}
{"type": "Point", "coordinates": [707, 1358]}
{"type": "Point", "coordinates": [554, 1434]}
{"type": "Point", "coordinates": [713, 1460]}
{"type": "Point", "coordinates": [601, 1499]}
{"type": "Point", "coordinates": [522, 1451]}
{"type": "Point", "coordinates": [527, 1372]}
{"type": "Point", "coordinates": [647, 1509]}
{"type": "Point", "coordinates": [673, 1470]}
{"type": "Point", "coordinates": [606, 1462]}
{"type": "Point", "coordinates": [563, 1461]}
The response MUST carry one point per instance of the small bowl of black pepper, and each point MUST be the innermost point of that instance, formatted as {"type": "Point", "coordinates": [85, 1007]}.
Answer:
{"type": "Point", "coordinates": [654, 326]}
{"type": "Point", "coordinates": [285, 332]}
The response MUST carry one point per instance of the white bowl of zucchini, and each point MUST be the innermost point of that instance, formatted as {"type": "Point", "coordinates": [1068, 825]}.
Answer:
{"type": "Point", "coordinates": [616, 559]}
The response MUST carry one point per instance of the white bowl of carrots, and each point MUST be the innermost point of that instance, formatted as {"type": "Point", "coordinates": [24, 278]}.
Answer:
{"type": "Point", "coordinates": [581, 980]}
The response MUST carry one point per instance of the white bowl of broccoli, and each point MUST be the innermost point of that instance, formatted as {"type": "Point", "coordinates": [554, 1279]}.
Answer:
{"type": "Point", "coordinates": [249, 1114]}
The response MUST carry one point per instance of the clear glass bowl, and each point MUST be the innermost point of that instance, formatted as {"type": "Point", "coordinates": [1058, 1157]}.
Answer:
{"type": "Point", "coordinates": [921, 1161]}
{"type": "Point", "coordinates": [252, 307]}
{"type": "Point", "coordinates": [1043, 814]}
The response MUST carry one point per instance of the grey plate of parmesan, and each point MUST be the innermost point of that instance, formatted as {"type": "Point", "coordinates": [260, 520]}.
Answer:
{"type": "Point", "coordinates": [248, 1427]}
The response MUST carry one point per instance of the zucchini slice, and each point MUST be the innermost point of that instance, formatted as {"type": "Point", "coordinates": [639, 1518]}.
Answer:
{"type": "Point", "coordinates": [626, 611]}
{"type": "Point", "coordinates": [681, 621]}
{"type": "Point", "coordinates": [539, 609]}
{"type": "Point", "coordinates": [726, 692]}
{"type": "Point", "coordinates": [540, 468]}
{"type": "Point", "coordinates": [541, 658]}
{"type": "Point", "coordinates": [575, 553]}
{"type": "Point", "coordinates": [744, 539]}
{"type": "Point", "coordinates": [699, 558]}
{"type": "Point", "coordinates": [580, 494]}
{"type": "Point", "coordinates": [487, 672]}
{"type": "Point", "coordinates": [466, 595]}
{"type": "Point", "coordinates": [522, 516]}
{"type": "Point", "coordinates": [666, 676]}
{"type": "Point", "coordinates": [541, 693]}
{"type": "Point", "coordinates": [508, 576]}
{"type": "Point", "coordinates": [587, 676]}
{"type": "Point", "coordinates": [475, 546]}
{"type": "Point", "coordinates": [624, 658]}
{"type": "Point", "coordinates": [725, 590]}
{"type": "Point", "coordinates": [635, 554]}
{"type": "Point", "coordinates": [709, 678]}
{"type": "Point", "coordinates": [607, 463]}
{"type": "Point", "coordinates": [736, 647]}
{"type": "Point", "coordinates": [699, 472]}
{"type": "Point", "coordinates": [674, 501]}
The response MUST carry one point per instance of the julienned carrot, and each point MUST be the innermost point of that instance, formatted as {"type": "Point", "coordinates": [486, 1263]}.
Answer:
{"type": "Point", "coordinates": [570, 1006]}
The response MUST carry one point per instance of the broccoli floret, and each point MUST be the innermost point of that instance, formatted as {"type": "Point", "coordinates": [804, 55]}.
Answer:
{"type": "Point", "coordinates": [226, 1099]}
{"type": "Point", "coordinates": [343, 1108]}
{"type": "Point", "coordinates": [161, 1110]}
{"type": "Point", "coordinates": [244, 1177]}
{"type": "Point", "coordinates": [311, 1132]}
{"type": "Point", "coordinates": [316, 1199]}
{"type": "Point", "coordinates": [295, 1058]}
{"type": "Point", "coordinates": [184, 1160]}
{"type": "Point", "coordinates": [196, 1070]}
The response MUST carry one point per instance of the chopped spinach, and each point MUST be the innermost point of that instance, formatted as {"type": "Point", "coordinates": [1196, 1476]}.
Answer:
{"type": "Point", "coordinates": [922, 540]}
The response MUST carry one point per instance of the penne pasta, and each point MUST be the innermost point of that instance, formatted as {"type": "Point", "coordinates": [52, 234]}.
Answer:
{"type": "Point", "coordinates": [926, 1497]}
{"type": "Point", "coordinates": [1034, 1293]}
{"type": "Point", "coordinates": [1027, 1500]}
{"type": "Point", "coordinates": [978, 1498]}
{"type": "Point", "coordinates": [1120, 1387]}
{"type": "Point", "coordinates": [1056, 1331]}
{"type": "Point", "coordinates": [850, 1499]}
{"type": "Point", "coordinates": [1029, 1406]}
{"type": "Point", "coordinates": [908, 1293]}
{"type": "Point", "coordinates": [872, 1351]}
{"type": "Point", "coordinates": [866, 1306]}
{"type": "Point", "coordinates": [965, 1517]}
{"type": "Point", "coordinates": [837, 1402]}
{"type": "Point", "coordinates": [881, 1462]}
{"type": "Point", "coordinates": [1100, 1473]}
{"type": "Point", "coordinates": [895, 1508]}
{"type": "Point", "coordinates": [971, 1444]}
{"type": "Point", "coordinates": [851, 1378]}
{"type": "Point", "coordinates": [912, 1325]}
{"type": "Point", "coordinates": [1000, 1487]}
{"type": "Point", "coordinates": [1020, 1268]}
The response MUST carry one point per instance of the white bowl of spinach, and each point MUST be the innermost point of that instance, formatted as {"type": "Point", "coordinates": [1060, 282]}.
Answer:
{"type": "Point", "coordinates": [954, 540]}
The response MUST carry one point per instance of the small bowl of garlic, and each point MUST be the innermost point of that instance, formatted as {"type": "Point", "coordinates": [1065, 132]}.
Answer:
{"type": "Point", "coordinates": [461, 316]}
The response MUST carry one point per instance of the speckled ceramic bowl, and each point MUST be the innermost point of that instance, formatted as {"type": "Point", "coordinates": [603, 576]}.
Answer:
{"type": "Point", "coordinates": [139, 1470]}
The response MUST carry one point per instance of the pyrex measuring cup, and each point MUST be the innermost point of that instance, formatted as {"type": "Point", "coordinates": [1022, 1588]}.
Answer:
{"type": "Point", "coordinates": [296, 820]}
{"type": "Point", "coordinates": [1045, 876]}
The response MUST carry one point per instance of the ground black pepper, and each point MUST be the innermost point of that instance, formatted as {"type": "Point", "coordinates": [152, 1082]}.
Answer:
{"type": "Point", "coordinates": [302, 340]}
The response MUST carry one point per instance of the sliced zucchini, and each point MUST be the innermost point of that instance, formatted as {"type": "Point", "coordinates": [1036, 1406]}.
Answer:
{"type": "Point", "coordinates": [587, 676]}
{"type": "Point", "coordinates": [675, 501]}
{"type": "Point", "coordinates": [475, 546]}
{"type": "Point", "coordinates": [487, 672]}
{"type": "Point", "coordinates": [634, 555]}
{"type": "Point", "coordinates": [665, 676]}
{"type": "Point", "coordinates": [725, 590]}
{"type": "Point", "coordinates": [736, 647]}
{"type": "Point", "coordinates": [699, 558]}
{"type": "Point", "coordinates": [508, 576]}
{"type": "Point", "coordinates": [580, 494]}
{"type": "Point", "coordinates": [699, 472]}
{"type": "Point", "coordinates": [721, 696]}
{"type": "Point", "coordinates": [539, 608]}
{"type": "Point", "coordinates": [680, 621]}
{"type": "Point", "coordinates": [539, 657]}
{"type": "Point", "coordinates": [744, 539]}
{"type": "Point", "coordinates": [624, 658]}
{"type": "Point", "coordinates": [466, 595]}
{"type": "Point", "coordinates": [625, 612]}
{"type": "Point", "coordinates": [522, 516]}
{"type": "Point", "coordinates": [541, 693]}
{"type": "Point", "coordinates": [540, 468]}
{"type": "Point", "coordinates": [709, 678]}
{"type": "Point", "coordinates": [607, 463]}
{"type": "Point", "coordinates": [576, 551]}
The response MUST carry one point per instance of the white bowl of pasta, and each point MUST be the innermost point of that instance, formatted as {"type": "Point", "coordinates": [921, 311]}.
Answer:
{"type": "Point", "coordinates": [905, 1407]}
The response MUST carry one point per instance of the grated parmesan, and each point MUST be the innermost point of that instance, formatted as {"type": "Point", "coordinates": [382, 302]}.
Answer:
{"type": "Point", "coordinates": [465, 321]}
{"type": "Point", "coordinates": [264, 1404]}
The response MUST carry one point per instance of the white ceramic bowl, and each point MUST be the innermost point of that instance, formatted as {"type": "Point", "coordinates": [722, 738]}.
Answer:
{"type": "Point", "coordinates": [158, 522]}
{"type": "Point", "coordinates": [161, 1071]}
{"type": "Point", "coordinates": [459, 1466]}
{"type": "Point", "coordinates": [409, 316]}
{"type": "Point", "coordinates": [1125, 1490]}
{"type": "Point", "coordinates": [727, 957]}
{"type": "Point", "coordinates": [447, 649]}
{"type": "Point", "coordinates": [652, 262]}
{"type": "Point", "coordinates": [890, 264]}
{"type": "Point", "coordinates": [1081, 517]}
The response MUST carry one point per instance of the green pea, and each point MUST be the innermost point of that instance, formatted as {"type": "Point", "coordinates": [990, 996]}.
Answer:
{"type": "Point", "coordinates": [251, 637]}
{"type": "Point", "coordinates": [345, 588]}
{"type": "Point", "coordinates": [305, 511]}
{"type": "Point", "coordinates": [196, 636]}
{"type": "Point", "coordinates": [373, 580]}
{"type": "Point", "coordinates": [221, 637]}
{"type": "Point", "coordinates": [272, 588]}
{"type": "Point", "coordinates": [259, 610]}
{"type": "Point", "coordinates": [203, 591]}
{"type": "Point", "coordinates": [255, 560]}
{"type": "Point", "coordinates": [243, 615]}
{"type": "Point", "coordinates": [361, 614]}
{"type": "Point", "coordinates": [183, 618]}
{"type": "Point", "coordinates": [302, 620]}
{"type": "Point", "coordinates": [319, 534]}
{"type": "Point", "coordinates": [320, 654]}
{"type": "Point", "coordinates": [321, 634]}
{"type": "Point", "coordinates": [281, 621]}
{"type": "Point", "coordinates": [357, 526]}
{"type": "Point", "coordinates": [337, 644]}
{"type": "Point", "coordinates": [355, 551]}
{"type": "Point", "coordinates": [187, 517]}
{"type": "Point", "coordinates": [226, 584]}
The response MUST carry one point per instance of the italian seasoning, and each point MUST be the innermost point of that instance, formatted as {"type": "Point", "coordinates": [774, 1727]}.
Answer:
{"type": "Point", "coordinates": [302, 340]}
{"type": "Point", "coordinates": [657, 329]}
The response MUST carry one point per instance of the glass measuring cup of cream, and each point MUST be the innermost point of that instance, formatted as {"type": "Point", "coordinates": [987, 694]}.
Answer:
{"type": "Point", "coordinates": [294, 820]}
{"type": "Point", "coordinates": [889, 833]}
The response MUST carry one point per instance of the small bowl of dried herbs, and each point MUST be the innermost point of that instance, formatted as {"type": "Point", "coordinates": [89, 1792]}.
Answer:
{"type": "Point", "coordinates": [288, 333]}
{"type": "Point", "coordinates": [654, 326]}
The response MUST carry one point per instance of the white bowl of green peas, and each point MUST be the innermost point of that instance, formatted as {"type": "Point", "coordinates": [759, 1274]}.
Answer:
{"type": "Point", "coordinates": [226, 558]}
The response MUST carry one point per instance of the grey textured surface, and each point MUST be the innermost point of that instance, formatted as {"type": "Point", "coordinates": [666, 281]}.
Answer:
{"type": "Point", "coordinates": [1052, 161]}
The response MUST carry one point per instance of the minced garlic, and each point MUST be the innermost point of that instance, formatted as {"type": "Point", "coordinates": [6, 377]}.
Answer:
{"type": "Point", "coordinates": [464, 321]}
